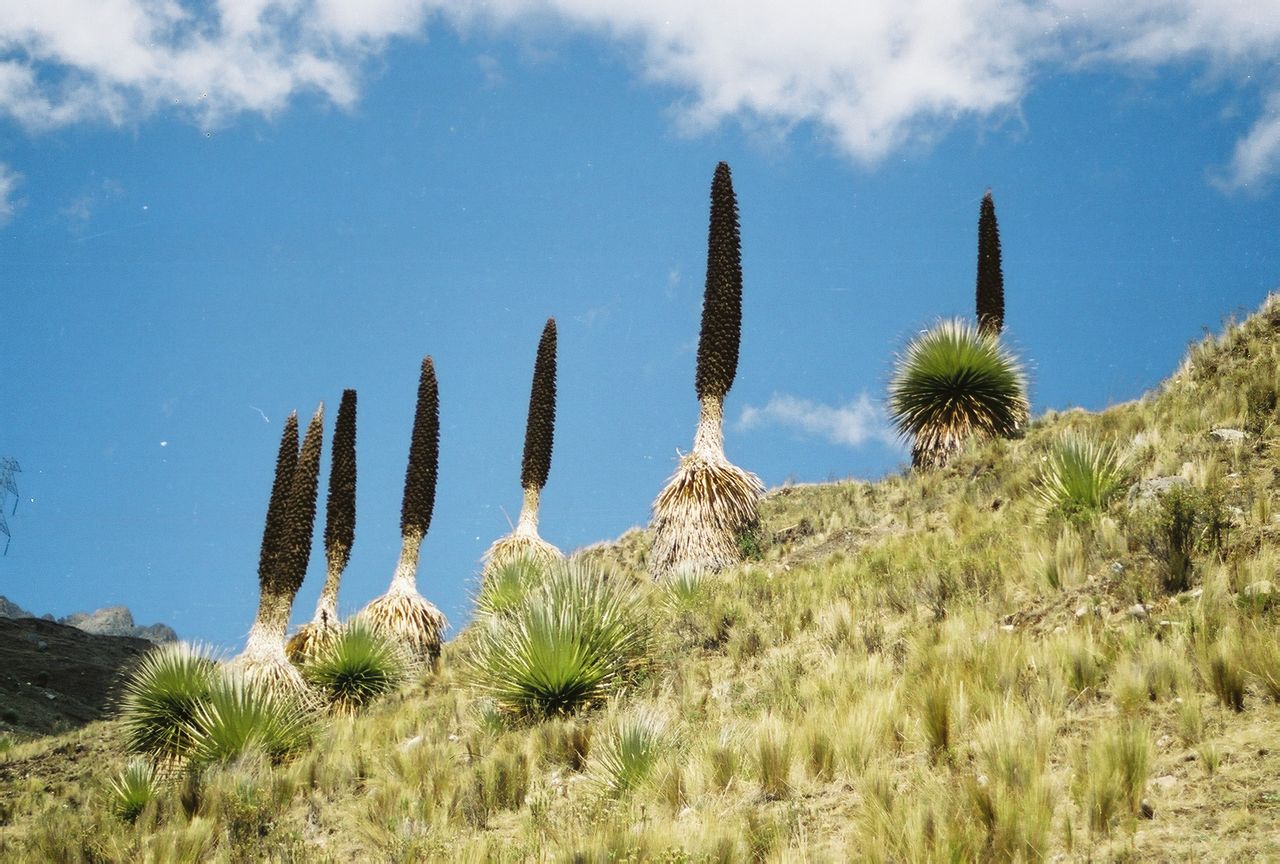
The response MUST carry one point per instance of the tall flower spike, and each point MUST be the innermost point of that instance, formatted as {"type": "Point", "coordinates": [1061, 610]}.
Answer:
{"type": "Point", "coordinates": [424, 457]}
{"type": "Point", "coordinates": [301, 513]}
{"type": "Point", "coordinates": [990, 277]}
{"type": "Point", "coordinates": [539, 433]}
{"type": "Point", "coordinates": [339, 534]}
{"type": "Point", "coordinates": [286, 551]}
{"type": "Point", "coordinates": [709, 502]}
{"type": "Point", "coordinates": [722, 299]}
{"type": "Point", "coordinates": [273, 533]}
{"type": "Point", "coordinates": [540, 429]}
{"type": "Point", "coordinates": [402, 613]}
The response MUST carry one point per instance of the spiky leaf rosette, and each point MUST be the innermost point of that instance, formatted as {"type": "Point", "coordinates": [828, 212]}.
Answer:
{"type": "Point", "coordinates": [424, 456]}
{"type": "Point", "coordinates": [340, 509]}
{"type": "Point", "coordinates": [722, 299]}
{"type": "Point", "coordinates": [990, 276]}
{"type": "Point", "coordinates": [273, 533]}
{"type": "Point", "coordinates": [300, 515]}
{"type": "Point", "coordinates": [540, 429]}
{"type": "Point", "coordinates": [953, 383]}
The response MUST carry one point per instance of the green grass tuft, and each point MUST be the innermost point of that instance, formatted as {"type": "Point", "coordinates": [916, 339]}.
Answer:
{"type": "Point", "coordinates": [160, 699]}
{"type": "Point", "coordinates": [566, 645]}
{"type": "Point", "coordinates": [241, 716]}
{"type": "Point", "coordinates": [134, 788]}
{"type": "Point", "coordinates": [1081, 478]}
{"type": "Point", "coordinates": [356, 668]}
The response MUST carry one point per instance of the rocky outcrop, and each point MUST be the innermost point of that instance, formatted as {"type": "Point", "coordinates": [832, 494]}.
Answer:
{"type": "Point", "coordinates": [111, 621]}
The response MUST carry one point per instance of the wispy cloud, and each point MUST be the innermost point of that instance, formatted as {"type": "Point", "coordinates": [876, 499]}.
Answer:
{"type": "Point", "coordinates": [869, 77]}
{"type": "Point", "coordinates": [852, 425]}
{"type": "Point", "coordinates": [9, 180]}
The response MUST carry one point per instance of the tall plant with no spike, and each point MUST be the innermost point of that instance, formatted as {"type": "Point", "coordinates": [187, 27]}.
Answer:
{"type": "Point", "coordinates": [339, 534]}
{"type": "Point", "coordinates": [402, 613]}
{"type": "Point", "coordinates": [709, 502]}
{"type": "Point", "coordinates": [286, 550]}
{"type": "Point", "coordinates": [990, 277]}
{"type": "Point", "coordinates": [539, 433]}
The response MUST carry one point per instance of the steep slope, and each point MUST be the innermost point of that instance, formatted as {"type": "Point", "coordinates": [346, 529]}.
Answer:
{"type": "Point", "coordinates": [932, 666]}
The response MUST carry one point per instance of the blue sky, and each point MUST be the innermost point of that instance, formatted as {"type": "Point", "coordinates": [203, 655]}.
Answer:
{"type": "Point", "coordinates": [215, 214]}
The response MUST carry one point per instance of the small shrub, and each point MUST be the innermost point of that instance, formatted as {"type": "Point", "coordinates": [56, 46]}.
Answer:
{"type": "Point", "coordinates": [134, 788]}
{"type": "Point", "coordinates": [568, 644]}
{"type": "Point", "coordinates": [1187, 521]}
{"type": "Point", "coordinates": [356, 668]}
{"type": "Point", "coordinates": [1080, 479]}
{"type": "Point", "coordinates": [243, 716]}
{"type": "Point", "coordinates": [160, 699]}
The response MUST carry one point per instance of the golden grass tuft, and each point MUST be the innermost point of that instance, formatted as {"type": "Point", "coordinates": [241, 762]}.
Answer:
{"type": "Point", "coordinates": [699, 516]}
{"type": "Point", "coordinates": [411, 620]}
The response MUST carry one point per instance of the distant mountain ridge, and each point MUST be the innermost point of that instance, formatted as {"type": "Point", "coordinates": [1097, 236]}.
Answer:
{"type": "Point", "coordinates": [108, 621]}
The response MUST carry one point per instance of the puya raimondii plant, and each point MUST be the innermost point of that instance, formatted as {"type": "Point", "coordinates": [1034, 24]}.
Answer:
{"type": "Point", "coordinates": [709, 502]}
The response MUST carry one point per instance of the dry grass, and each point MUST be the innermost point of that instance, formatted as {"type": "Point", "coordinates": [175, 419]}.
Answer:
{"type": "Point", "coordinates": [518, 545]}
{"type": "Point", "coordinates": [700, 514]}
{"type": "Point", "coordinates": [410, 620]}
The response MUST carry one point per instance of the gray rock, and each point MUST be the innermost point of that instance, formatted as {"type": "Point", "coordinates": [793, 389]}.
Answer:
{"type": "Point", "coordinates": [1146, 491]}
{"type": "Point", "coordinates": [1261, 588]}
{"type": "Point", "coordinates": [118, 621]}
{"type": "Point", "coordinates": [1139, 611]}
{"type": "Point", "coordinates": [9, 609]}
{"type": "Point", "coordinates": [1230, 436]}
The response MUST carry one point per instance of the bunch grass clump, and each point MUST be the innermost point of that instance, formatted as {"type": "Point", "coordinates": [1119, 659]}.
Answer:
{"type": "Point", "coordinates": [625, 757]}
{"type": "Point", "coordinates": [160, 699]}
{"type": "Point", "coordinates": [356, 668]}
{"type": "Point", "coordinates": [243, 714]}
{"type": "Point", "coordinates": [954, 383]}
{"type": "Point", "coordinates": [567, 645]}
{"type": "Point", "coordinates": [1080, 478]}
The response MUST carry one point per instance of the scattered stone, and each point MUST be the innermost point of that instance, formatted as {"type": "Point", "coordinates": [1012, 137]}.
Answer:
{"type": "Point", "coordinates": [409, 744]}
{"type": "Point", "coordinates": [1008, 628]}
{"type": "Point", "coordinates": [1163, 741]}
{"type": "Point", "coordinates": [1117, 568]}
{"type": "Point", "coordinates": [1230, 436]}
{"type": "Point", "coordinates": [1147, 811]}
{"type": "Point", "coordinates": [1060, 629]}
{"type": "Point", "coordinates": [1082, 611]}
{"type": "Point", "coordinates": [1190, 757]}
{"type": "Point", "coordinates": [1138, 611]}
{"type": "Point", "coordinates": [35, 640]}
{"type": "Point", "coordinates": [1261, 588]}
{"type": "Point", "coordinates": [1166, 782]}
{"type": "Point", "coordinates": [1145, 491]}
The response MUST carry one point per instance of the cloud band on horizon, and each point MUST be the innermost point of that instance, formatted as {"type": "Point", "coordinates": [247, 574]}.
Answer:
{"type": "Point", "coordinates": [871, 77]}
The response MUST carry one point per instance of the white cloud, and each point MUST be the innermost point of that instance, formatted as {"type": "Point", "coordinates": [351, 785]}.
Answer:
{"type": "Point", "coordinates": [1257, 154]}
{"type": "Point", "coordinates": [851, 425]}
{"type": "Point", "coordinates": [8, 182]}
{"type": "Point", "coordinates": [869, 76]}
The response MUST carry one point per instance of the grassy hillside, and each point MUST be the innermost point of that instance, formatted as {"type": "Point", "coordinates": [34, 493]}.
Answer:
{"type": "Point", "coordinates": [937, 665]}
